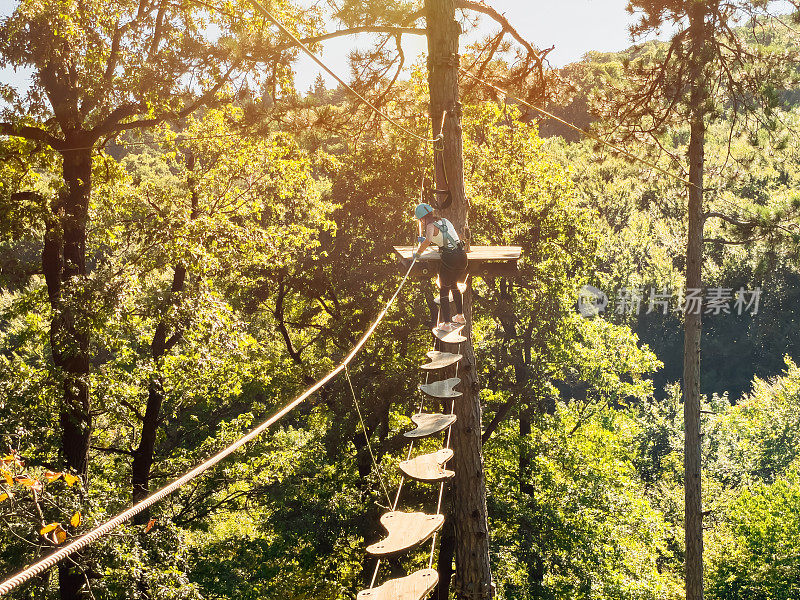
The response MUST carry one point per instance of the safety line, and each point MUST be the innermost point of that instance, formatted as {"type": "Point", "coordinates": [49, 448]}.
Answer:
{"type": "Point", "coordinates": [341, 81]}
{"type": "Point", "coordinates": [585, 132]}
{"type": "Point", "coordinates": [99, 531]}
{"type": "Point", "coordinates": [366, 436]}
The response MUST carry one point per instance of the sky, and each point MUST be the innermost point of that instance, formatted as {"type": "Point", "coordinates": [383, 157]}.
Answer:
{"type": "Point", "coordinates": [573, 26]}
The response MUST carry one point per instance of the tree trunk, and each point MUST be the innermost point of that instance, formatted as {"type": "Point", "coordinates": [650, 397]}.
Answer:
{"type": "Point", "coordinates": [143, 455]}
{"type": "Point", "coordinates": [64, 265]}
{"type": "Point", "coordinates": [473, 575]}
{"type": "Point", "coordinates": [447, 545]}
{"type": "Point", "coordinates": [692, 325]}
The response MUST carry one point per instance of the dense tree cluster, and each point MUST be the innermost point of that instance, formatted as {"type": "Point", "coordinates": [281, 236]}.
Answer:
{"type": "Point", "coordinates": [221, 242]}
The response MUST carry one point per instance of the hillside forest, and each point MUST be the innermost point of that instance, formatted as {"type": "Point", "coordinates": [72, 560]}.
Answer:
{"type": "Point", "coordinates": [188, 240]}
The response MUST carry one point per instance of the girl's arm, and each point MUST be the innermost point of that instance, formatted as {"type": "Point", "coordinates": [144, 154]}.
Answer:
{"type": "Point", "coordinates": [429, 232]}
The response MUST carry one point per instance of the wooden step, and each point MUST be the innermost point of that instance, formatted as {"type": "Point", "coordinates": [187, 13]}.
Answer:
{"type": "Point", "coordinates": [449, 337]}
{"type": "Point", "coordinates": [428, 424]}
{"type": "Point", "coordinates": [441, 389]}
{"type": "Point", "coordinates": [406, 530]}
{"type": "Point", "coordinates": [440, 360]}
{"type": "Point", "coordinates": [428, 467]}
{"type": "Point", "coordinates": [412, 587]}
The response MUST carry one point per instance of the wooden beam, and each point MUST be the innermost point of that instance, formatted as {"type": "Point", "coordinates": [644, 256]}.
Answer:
{"type": "Point", "coordinates": [486, 261]}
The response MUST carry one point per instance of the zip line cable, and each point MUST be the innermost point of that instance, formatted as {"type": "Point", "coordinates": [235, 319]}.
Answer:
{"type": "Point", "coordinates": [585, 132]}
{"type": "Point", "coordinates": [264, 12]}
{"type": "Point", "coordinates": [101, 530]}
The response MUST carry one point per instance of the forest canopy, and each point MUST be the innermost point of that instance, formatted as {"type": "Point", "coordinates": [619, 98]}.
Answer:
{"type": "Point", "coordinates": [187, 241]}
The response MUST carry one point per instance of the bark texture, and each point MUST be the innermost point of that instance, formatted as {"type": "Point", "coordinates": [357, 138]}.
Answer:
{"type": "Point", "coordinates": [692, 326]}
{"type": "Point", "coordinates": [473, 575]}
{"type": "Point", "coordinates": [64, 265]}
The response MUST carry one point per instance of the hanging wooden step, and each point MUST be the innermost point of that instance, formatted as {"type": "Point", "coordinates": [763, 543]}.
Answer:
{"type": "Point", "coordinates": [429, 467]}
{"type": "Point", "coordinates": [406, 530]}
{"type": "Point", "coordinates": [412, 587]}
{"type": "Point", "coordinates": [449, 337]}
{"type": "Point", "coordinates": [440, 360]}
{"type": "Point", "coordinates": [428, 424]}
{"type": "Point", "coordinates": [441, 389]}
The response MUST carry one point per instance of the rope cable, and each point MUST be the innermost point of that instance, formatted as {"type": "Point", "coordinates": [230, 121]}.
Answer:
{"type": "Point", "coordinates": [366, 437]}
{"type": "Point", "coordinates": [585, 132]}
{"type": "Point", "coordinates": [101, 530]}
{"type": "Point", "coordinates": [264, 12]}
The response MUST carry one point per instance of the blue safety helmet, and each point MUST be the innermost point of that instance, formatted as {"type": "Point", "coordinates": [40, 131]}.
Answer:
{"type": "Point", "coordinates": [422, 210]}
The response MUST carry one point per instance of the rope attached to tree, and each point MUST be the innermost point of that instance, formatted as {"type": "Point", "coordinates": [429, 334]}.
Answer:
{"type": "Point", "coordinates": [101, 530]}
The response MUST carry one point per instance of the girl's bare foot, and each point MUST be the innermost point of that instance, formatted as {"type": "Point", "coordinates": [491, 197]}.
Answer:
{"type": "Point", "coordinates": [460, 320]}
{"type": "Point", "coordinates": [447, 326]}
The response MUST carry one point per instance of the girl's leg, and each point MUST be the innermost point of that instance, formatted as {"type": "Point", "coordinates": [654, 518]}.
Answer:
{"type": "Point", "coordinates": [458, 299]}
{"type": "Point", "coordinates": [444, 301]}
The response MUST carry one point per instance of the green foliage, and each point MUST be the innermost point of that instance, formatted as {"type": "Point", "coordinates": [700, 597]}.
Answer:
{"type": "Point", "coordinates": [756, 550]}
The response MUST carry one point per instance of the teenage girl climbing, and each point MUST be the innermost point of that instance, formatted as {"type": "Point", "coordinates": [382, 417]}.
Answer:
{"type": "Point", "coordinates": [452, 266]}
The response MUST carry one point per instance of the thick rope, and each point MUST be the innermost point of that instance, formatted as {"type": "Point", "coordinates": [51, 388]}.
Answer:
{"type": "Point", "coordinates": [101, 530]}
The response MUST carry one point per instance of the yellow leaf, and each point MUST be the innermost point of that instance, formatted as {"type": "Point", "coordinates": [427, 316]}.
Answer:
{"type": "Point", "coordinates": [61, 535]}
{"type": "Point", "coordinates": [48, 528]}
{"type": "Point", "coordinates": [71, 479]}
{"type": "Point", "coordinates": [150, 524]}
{"type": "Point", "coordinates": [3, 497]}
{"type": "Point", "coordinates": [51, 476]}
{"type": "Point", "coordinates": [26, 481]}
{"type": "Point", "coordinates": [75, 520]}
{"type": "Point", "coordinates": [7, 476]}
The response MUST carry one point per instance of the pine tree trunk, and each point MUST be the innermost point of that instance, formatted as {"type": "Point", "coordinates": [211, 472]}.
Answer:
{"type": "Point", "coordinates": [692, 325]}
{"type": "Point", "coordinates": [473, 575]}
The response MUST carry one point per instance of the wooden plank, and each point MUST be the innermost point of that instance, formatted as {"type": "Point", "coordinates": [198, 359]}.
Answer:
{"type": "Point", "coordinates": [411, 587]}
{"type": "Point", "coordinates": [406, 530]}
{"type": "Point", "coordinates": [484, 261]}
{"type": "Point", "coordinates": [441, 389]}
{"type": "Point", "coordinates": [429, 424]}
{"type": "Point", "coordinates": [440, 360]}
{"type": "Point", "coordinates": [477, 253]}
{"type": "Point", "coordinates": [449, 337]}
{"type": "Point", "coordinates": [429, 467]}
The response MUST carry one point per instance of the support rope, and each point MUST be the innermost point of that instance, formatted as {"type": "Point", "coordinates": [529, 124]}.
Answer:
{"type": "Point", "coordinates": [265, 13]}
{"type": "Point", "coordinates": [101, 530]}
{"type": "Point", "coordinates": [585, 132]}
{"type": "Point", "coordinates": [366, 437]}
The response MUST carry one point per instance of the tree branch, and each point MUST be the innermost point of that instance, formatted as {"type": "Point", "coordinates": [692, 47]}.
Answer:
{"type": "Point", "coordinates": [31, 133]}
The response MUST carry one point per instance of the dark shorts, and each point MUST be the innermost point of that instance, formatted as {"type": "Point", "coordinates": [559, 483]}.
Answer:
{"type": "Point", "coordinates": [453, 266]}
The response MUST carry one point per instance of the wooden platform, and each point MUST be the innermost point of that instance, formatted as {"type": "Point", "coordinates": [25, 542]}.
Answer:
{"type": "Point", "coordinates": [428, 424]}
{"type": "Point", "coordinates": [406, 530]}
{"type": "Point", "coordinates": [440, 360]}
{"type": "Point", "coordinates": [412, 587]}
{"type": "Point", "coordinates": [442, 388]}
{"type": "Point", "coordinates": [483, 260]}
{"type": "Point", "coordinates": [429, 467]}
{"type": "Point", "coordinates": [449, 337]}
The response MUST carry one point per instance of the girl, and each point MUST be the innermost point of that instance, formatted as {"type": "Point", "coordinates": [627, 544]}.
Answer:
{"type": "Point", "coordinates": [452, 266]}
